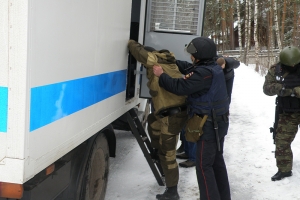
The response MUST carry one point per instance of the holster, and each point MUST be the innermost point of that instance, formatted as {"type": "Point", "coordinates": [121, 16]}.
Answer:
{"type": "Point", "coordinates": [194, 128]}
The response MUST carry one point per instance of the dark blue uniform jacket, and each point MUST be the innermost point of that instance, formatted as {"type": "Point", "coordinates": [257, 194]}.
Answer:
{"type": "Point", "coordinates": [195, 84]}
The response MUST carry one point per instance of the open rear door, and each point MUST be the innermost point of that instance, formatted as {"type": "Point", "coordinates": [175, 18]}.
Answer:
{"type": "Point", "coordinates": [172, 24]}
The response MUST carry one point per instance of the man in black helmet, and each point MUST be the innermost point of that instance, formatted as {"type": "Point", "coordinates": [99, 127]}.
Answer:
{"type": "Point", "coordinates": [283, 80]}
{"type": "Point", "coordinates": [205, 85]}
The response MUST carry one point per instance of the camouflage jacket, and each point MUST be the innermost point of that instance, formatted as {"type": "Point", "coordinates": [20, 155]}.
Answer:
{"type": "Point", "coordinates": [161, 98]}
{"type": "Point", "coordinates": [272, 86]}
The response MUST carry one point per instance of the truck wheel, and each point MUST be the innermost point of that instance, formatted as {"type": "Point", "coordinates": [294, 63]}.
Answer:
{"type": "Point", "coordinates": [96, 171]}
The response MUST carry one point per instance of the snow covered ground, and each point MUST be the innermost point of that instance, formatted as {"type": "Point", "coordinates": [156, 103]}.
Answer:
{"type": "Point", "coordinates": [248, 154]}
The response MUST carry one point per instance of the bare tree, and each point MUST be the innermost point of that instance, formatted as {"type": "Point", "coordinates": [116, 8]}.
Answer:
{"type": "Point", "coordinates": [249, 29]}
{"type": "Point", "coordinates": [239, 25]}
{"type": "Point", "coordinates": [261, 23]}
{"type": "Point", "coordinates": [270, 33]}
{"type": "Point", "coordinates": [295, 24]}
{"type": "Point", "coordinates": [231, 22]}
{"type": "Point", "coordinates": [255, 36]}
{"type": "Point", "coordinates": [283, 22]}
{"type": "Point", "coordinates": [223, 24]}
{"type": "Point", "coordinates": [277, 25]}
{"type": "Point", "coordinates": [246, 35]}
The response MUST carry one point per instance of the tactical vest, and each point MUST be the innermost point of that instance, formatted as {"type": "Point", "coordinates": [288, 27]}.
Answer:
{"type": "Point", "coordinates": [289, 80]}
{"type": "Point", "coordinates": [216, 98]}
{"type": "Point", "coordinates": [162, 99]}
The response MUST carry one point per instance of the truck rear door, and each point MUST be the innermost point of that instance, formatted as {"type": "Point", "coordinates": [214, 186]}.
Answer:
{"type": "Point", "coordinates": [171, 24]}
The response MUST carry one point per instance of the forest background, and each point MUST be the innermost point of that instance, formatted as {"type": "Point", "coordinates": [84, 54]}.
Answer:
{"type": "Point", "coordinates": [254, 31]}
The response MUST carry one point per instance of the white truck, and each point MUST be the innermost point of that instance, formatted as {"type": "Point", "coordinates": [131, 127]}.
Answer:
{"type": "Point", "coordinates": [66, 79]}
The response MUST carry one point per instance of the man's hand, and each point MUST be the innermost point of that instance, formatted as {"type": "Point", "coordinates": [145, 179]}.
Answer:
{"type": "Point", "coordinates": [286, 92]}
{"type": "Point", "coordinates": [157, 70]}
{"type": "Point", "coordinates": [296, 91]}
{"type": "Point", "coordinates": [130, 41]}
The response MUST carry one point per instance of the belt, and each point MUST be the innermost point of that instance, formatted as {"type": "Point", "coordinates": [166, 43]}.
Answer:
{"type": "Point", "coordinates": [171, 111]}
{"type": "Point", "coordinates": [219, 118]}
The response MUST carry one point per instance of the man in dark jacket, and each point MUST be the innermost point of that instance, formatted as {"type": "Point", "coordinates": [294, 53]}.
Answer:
{"type": "Point", "coordinates": [204, 83]}
{"type": "Point", "coordinates": [228, 65]}
{"type": "Point", "coordinates": [228, 69]}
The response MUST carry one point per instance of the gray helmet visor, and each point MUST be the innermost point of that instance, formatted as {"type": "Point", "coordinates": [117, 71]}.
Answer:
{"type": "Point", "coordinates": [191, 48]}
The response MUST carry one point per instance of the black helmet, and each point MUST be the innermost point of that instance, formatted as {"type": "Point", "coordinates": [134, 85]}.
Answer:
{"type": "Point", "coordinates": [202, 48]}
{"type": "Point", "coordinates": [290, 56]}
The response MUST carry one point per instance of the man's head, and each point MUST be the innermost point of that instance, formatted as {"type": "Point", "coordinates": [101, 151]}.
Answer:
{"type": "Point", "coordinates": [202, 48]}
{"type": "Point", "coordinates": [290, 56]}
{"type": "Point", "coordinates": [221, 61]}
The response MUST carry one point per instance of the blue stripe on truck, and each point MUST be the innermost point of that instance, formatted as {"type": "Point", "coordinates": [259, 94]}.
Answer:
{"type": "Point", "coordinates": [53, 102]}
{"type": "Point", "coordinates": [3, 108]}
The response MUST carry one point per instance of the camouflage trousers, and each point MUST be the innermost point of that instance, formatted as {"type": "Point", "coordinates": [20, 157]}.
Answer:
{"type": "Point", "coordinates": [164, 133]}
{"type": "Point", "coordinates": [285, 134]}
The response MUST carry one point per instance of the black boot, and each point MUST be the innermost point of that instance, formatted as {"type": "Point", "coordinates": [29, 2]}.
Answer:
{"type": "Point", "coordinates": [182, 156]}
{"type": "Point", "coordinates": [169, 194]}
{"type": "Point", "coordinates": [180, 149]}
{"type": "Point", "coordinates": [154, 155]}
{"type": "Point", "coordinates": [280, 175]}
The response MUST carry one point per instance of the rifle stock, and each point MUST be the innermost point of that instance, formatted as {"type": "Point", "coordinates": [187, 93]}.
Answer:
{"type": "Point", "coordinates": [275, 124]}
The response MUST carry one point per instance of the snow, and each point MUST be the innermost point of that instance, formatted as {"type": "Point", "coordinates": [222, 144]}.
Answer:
{"type": "Point", "coordinates": [248, 154]}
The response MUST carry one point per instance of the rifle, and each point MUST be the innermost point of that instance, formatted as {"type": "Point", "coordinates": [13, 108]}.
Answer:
{"type": "Point", "coordinates": [275, 125]}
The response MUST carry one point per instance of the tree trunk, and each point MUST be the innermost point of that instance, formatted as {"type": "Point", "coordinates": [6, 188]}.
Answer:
{"type": "Point", "coordinates": [270, 34]}
{"type": "Point", "coordinates": [277, 25]}
{"type": "Point", "coordinates": [249, 29]}
{"type": "Point", "coordinates": [223, 24]}
{"type": "Point", "coordinates": [246, 31]}
{"type": "Point", "coordinates": [239, 26]}
{"type": "Point", "coordinates": [231, 28]}
{"type": "Point", "coordinates": [283, 22]}
{"type": "Point", "coordinates": [295, 23]}
{"type": "Point", "coordinates": [255, 36]}
{"type": "Point", "coordinates": [271, 26]}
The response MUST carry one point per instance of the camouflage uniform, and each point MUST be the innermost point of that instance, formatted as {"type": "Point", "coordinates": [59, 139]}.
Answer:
{"type": "Point", "coordinates": [164, 131]}
{"type": "Point", "coordinates": [288, 121]}
{"type": "Point", "coordinates": [286, 132]}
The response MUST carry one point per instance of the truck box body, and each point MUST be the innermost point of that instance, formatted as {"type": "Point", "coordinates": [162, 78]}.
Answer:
{"type": "Point", "coordinates": [67, 81]}
{"type": "Point", "coordinates": [63, 67]}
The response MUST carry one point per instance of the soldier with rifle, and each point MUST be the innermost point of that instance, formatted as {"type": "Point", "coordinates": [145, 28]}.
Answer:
{"type": "Point", "coordinates": [283, 80]}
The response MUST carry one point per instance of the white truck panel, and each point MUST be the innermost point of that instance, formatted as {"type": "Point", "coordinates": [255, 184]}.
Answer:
{"type": "Point", "coordinates": [62, 87]}
{"type": "Point", "coordinates": [4, 43]}
{"type": "Point", "coordinates": [3, 76]}
{"type": "Point", "coordinates": [17, 79]}
{"type": "Point", "coordinates": [76, 36]}
{"type": "Point", "coordinates": [12, 169]}
{"type": "Point", "coordinates": [56, 139]}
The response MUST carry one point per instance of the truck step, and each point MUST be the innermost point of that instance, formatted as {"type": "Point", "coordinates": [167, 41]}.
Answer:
{"type": "Point", "coordinates": [144, 139]}
{"type": "Point", "coordinates": [145, 144]}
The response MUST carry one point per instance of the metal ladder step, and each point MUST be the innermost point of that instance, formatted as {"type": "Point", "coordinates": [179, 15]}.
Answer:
{"type": "Point", "coordinates": [145, 144]}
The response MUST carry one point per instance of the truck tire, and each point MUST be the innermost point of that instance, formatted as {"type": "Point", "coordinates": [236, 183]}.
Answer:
{"type": "Point", "coordinates": [95, 174]}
